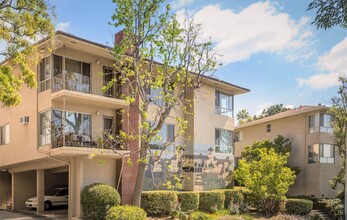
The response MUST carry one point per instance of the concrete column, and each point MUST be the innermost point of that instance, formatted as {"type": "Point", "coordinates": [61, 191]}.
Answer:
{"type": "Point", "coordinates": [40, 190]}
{"type": "Point", "coordinates": [79, 185]}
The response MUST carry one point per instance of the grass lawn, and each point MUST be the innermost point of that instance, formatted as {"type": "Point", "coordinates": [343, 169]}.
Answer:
{"type": "Point", "coordinates": [222, 213]}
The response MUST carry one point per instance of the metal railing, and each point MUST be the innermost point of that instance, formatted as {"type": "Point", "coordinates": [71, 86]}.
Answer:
{"type": "Point", "coordinates": [97, 140]}
{"type": "Point", "coordinates": [224, 111]}
{"type": "Point", "coordinates": [79, 83]}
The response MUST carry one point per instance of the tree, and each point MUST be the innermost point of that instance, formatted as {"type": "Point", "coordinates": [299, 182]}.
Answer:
{"type": "Point", "coordinates": [267, 178]}
{"type": "Point", "coordinates": [329, 13]}
{"type": "Point", "coordinates": [22, 22]}
{"type": "Point", "coordinates": [338, 111]}
{"type": "Point", "coordinates": [280, 145]}
{"type": "Point", "coordinates": [243, 116]}
{"type": "Point", "coordinates": [272, 110]}
{"type": "Point", "coordinates": [152, 33]}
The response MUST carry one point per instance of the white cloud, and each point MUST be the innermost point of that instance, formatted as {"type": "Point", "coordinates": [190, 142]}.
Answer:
{"type": "Point", "coordinates": [178, 4]}
{"type": "Point", "coordinates": [63, 26]}
{"type": "Point", "coordinates": [331, 65]}
{"type": "Point", "coordinates": [258, 28]}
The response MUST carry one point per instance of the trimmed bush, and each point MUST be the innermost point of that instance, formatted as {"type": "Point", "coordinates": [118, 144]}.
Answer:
{"type": "Point", "coordinates": [211, 201]}
{"type": "Point", "coordinates": [189, 201]}
{"type": "Point", "coordinates": [299, 206]}
{"type": "Point", "coordinates": [159, 203]}
{"type": "Point", "coordinates": [97, 198]}
{"type": "Point", "coordinates": [126, 212]}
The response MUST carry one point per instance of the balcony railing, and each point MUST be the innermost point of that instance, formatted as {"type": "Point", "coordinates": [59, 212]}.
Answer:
{"type": "Point", "coordinates": [71, 139]}
{"type": "Point", "coordinates": [224, 111]}
{"type": "Point", "coordinates": [80, 83]}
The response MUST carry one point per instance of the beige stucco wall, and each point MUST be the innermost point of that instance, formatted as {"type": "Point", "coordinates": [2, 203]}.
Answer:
{"type": "Point", "coordinates": [23, 188]}
{"type": "Point", "coordinates": [313, 178]}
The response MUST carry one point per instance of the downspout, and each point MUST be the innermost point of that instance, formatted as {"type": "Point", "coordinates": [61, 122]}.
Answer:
{"type": "Point", "coordinates": [306, 154]}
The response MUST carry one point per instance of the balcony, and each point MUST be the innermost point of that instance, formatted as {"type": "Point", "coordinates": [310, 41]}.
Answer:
{"type": "Point", "coordinates": [80, 83]}
{"type": "Point", "coordinates": [67, 132]}
{"type": "Point", "coordinates": [79, 89]}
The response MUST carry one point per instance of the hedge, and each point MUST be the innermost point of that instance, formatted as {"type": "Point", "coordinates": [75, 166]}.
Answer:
{"type": "Point", "coordinates": [189, 201]}
{"type": "Point", "coordinates": [232, 196]}
{"type": "Point", "coordinates": [126, 212]}
{"type": "Point", "coordinates": [159, 203]}
{"type": "Point", "coordinates": [211, 201]}
{"type": "Point", "coordinates": [97, 198]}
{"type": "Point", "coordinates": [298, 206]}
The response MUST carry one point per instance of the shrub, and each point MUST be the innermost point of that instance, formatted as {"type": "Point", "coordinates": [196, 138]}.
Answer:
{"type": "Point", "coordinates": [315, 216]}
{"type": "Point", "coordinates": [159, 203]}
{"type": "Point", "coordinates": [267, 177]}
{"type": "Point", "coordinates": [189, 201]}
{"type": "Point", "coordinates": [97, 198]}
{"type": "Point", "coordinates": [126, 212]}
{"type": "Point", "coordinates": [299, 206]}
{"type": "Point", "coordinates": [211, 201]}
{"type": "Point", "coordinates": [232, 196]}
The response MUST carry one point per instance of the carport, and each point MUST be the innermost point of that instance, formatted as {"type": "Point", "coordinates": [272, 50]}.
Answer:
{"type": "Point", "coordinates": [33, 180]}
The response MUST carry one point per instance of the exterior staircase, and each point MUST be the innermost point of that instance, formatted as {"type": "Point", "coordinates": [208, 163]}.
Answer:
{"type": "Point", "coordinates": [326, 217]}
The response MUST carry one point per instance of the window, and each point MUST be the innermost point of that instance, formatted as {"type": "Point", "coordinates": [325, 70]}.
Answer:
{"type": "Point", "coordinates": [170, 133]}
{"type": "Point", "coordinates": [77, 129]}
{"type": "Point", "coordinates": [45, 128]}
{"type": "Point", "coordinates": [5, 134]}
{"type": "Point", "coordinates": [57, 65]}
{"type": "Point", "coordinates": [166, 134]}
{"type": "Point", "coordinates": [313, 153]}
{"type": "Point", "coordinates": [238, 136]}
{"type": "Point", "coordinates": [77, 75]}
{"type": "Point", "coordinates": [325, 123]}
{"type": "Point", "coordinates": [156, 96]}
{"type": "Point", "coordinates": [223, 141]}
{"type": "Point", "coordinates": [108, 125]}
{"type": "Point", "coordinates": [45, 73]}
{"type": "Point", "coordinates": [326, 153]}
{"type": "Point", "coordinates": [224, 104]}
{"type": "Point", "coordinates": [320, 123]}
{"type": "Point", "coordinates": [321, 153]}
{"type": "Point", "coordinates": [115, 90]}
{"type": "Point", "coordinates": [268, 128]}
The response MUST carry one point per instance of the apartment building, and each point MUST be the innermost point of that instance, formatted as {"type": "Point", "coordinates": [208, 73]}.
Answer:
{"type": "Point", "coordinates": [52, 139]}
{"type": "Point", "coordinates": [313, 150]}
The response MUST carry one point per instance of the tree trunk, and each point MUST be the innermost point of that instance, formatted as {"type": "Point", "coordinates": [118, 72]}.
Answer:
{"type": "Point", "coordinates": [140, 176]}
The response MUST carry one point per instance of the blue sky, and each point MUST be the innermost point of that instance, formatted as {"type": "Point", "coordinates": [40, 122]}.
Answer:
{"type": "Point", "coordinates": [270, 47]}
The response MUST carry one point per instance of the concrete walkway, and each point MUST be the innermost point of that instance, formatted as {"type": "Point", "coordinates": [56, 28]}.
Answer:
{"type": "Point", "coordinates": [27, 215]}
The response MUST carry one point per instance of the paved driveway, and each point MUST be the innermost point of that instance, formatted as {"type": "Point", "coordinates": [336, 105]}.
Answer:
{"type": "Point", "coordinates": [28, 215]}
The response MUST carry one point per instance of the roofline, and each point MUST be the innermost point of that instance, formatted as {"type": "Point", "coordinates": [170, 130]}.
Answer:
{"type": "Point", "coordinates": [110, 48]}
{"type": "Point", "coordinates": [62, 33]}
{"type": "Point", "coordinates": [273, 117]}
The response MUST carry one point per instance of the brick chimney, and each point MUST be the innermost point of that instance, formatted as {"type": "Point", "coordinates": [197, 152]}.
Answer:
{"type": "Point", "coordinates": [118, 37]}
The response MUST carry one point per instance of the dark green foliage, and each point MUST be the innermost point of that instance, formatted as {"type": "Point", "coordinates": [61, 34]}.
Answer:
{"type": "Point", "coordinates": [211, 201]}
{"type": "Point", "coordinates": [338, 111]}
{"type": "Point", "coordinates": [272, 110]}
{"type": "Point", "coordinates": [159, 203]}
{"type": "Point", "coordinates": [333, 207]}
{"type": "Point", "coordinates": [280, 144]}
{"type": "Point", "coordinates": [97, 198]}
{"type": "Point", "coordinates": [189, 201]}
{"type": "Point", "coordinates": [329, 13]}
{"type": "Point", "coordinates": [126, 212]}
{"type": "Point", "coordinates": [299, 206]}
